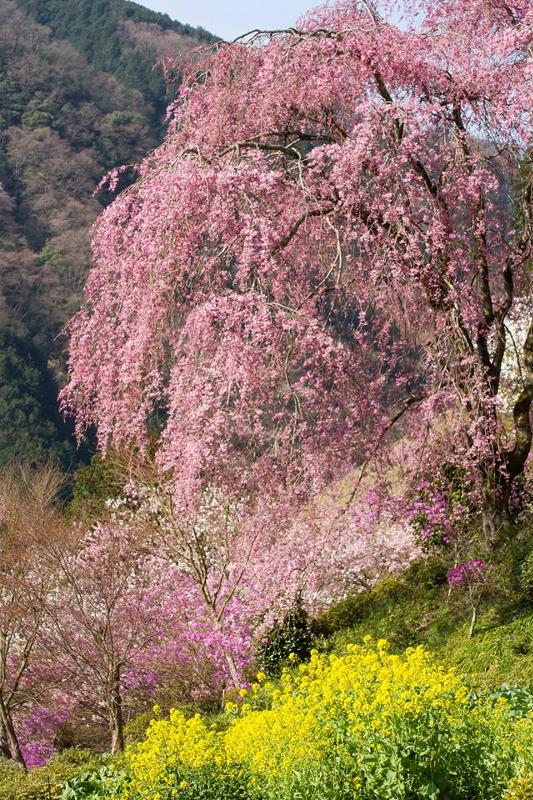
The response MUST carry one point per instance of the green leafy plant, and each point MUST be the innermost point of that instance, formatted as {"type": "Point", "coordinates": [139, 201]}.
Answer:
{"type": "Point", "coordinates": [290, 637]}
{"type": "Point", "coordinates": [519, 698]}
{"type": "Point", "coordinates": [45, 783]}
{"type": "Point", "coordinates": [520, 788]}
{"type": "Point", "coordinates": [105, 782]}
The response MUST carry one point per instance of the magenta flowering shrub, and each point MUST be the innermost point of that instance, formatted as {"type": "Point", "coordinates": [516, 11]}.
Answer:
{"type": "Point", "coordinates": [431, 517]}
{"type": "Point", "coordinates": [441, 509]}
{"type": "Point", "coordinates": [38, 729]}
{"type": "Point", "coordinates": [471, 576]}
{"type": "Point", "coordinates": [471, 573]}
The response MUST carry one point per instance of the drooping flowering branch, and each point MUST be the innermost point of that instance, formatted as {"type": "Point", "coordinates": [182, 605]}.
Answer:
{"type": "Point", "coordinates": [326, 237]}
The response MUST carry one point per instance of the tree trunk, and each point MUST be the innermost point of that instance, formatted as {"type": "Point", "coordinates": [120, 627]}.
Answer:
{"type": "Point", "coordinates": [518, 456]}
{"type": "Point", "coordinates": [230, 661]}
{"type": "Point", "coordinates": [496, 520]}
{"type": "Point", "coordinates": [5, 752]}
{"type": "Point", "coordinates": [233, 670]}
{"type": "Point", "coordinates": [498, 478]}
{"type": "Point", "coordinates": [11, 736]}
{"type": "Point", "coordinates": [495, 511]}
{"type": "Point", "coordinates": [473, 622]}
{"type": "Point", "coordinates": [116, 721]}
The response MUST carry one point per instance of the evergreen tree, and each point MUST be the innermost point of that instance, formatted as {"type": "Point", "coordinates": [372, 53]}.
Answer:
{"type": "Point", "coordinates": [31, 430]}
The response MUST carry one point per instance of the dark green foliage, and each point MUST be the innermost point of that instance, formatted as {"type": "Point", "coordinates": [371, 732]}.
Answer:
{"type": "Point", "coordinates": [31, 430]}
{"type": "Point", "coordinates": [94, 484]}
{"type": "Point", "coordinates": [290, 636]}
{"type": "Point", "coordinates": [78, 97]}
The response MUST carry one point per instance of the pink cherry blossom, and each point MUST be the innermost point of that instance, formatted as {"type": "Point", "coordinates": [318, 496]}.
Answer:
{"type": "Point", "coordinates": [319, 261]}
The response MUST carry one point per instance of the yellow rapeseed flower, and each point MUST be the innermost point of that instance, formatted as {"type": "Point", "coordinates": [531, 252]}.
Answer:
{"type": "Point", "coordinates": [320, 718]}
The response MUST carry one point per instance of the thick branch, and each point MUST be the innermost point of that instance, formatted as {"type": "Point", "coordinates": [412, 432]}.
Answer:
{"type": "Point", "coordinates": [316, 212]}
{"type": "Point", "coordinates": [522, 414]}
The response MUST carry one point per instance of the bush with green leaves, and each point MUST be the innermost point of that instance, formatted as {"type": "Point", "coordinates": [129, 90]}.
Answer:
{"type": "Point", "coordinates": [45, 783]}
{"type": "Point", "coordinates": [94, 485]}
{"type": "Point", "coordinates": [291, 636]}
{"type": "Point", "coordinates": [519, 698]}
{"type": "Point", "coordinates": [107, 781]}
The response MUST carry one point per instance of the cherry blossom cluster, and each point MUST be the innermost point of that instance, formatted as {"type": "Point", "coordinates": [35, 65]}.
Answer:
{"type": "Point", "coordinates": [320, 260]}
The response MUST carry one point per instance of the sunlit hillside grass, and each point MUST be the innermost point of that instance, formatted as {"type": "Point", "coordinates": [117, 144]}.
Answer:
{"type": "Point", "coordinates": [419, 608]}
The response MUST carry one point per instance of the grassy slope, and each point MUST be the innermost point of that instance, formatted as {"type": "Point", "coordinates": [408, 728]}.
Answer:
{"type": "Point", "coordinates": [413, 609]}
{"type": "Point", "coordinates": [417, 608]}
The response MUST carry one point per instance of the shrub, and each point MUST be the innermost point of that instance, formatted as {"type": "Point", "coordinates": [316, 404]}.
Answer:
{"type": "Point", "coordinates": [368, 725]}
{"type": "Point", "coordinates": [94, 485]}
{"type": "Point", "coordinates": [291, 637]}
{"type": "Point", "coordinates": [105, 782]}
{"type": "Point", "coordinates": [519, 698]}
{"type": "Point", "coordinates": [44, 783]}
{"type": "Point", "coordinates": [344, 614]}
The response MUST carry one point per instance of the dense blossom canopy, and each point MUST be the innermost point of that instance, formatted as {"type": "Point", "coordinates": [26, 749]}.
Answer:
{"type": "Point", "coordinates": [326, 246]}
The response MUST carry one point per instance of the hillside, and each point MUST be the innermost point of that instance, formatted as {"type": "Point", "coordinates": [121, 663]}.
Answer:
{"type": "Point", "coordinates": [412, 610]}
{"type": "Point", "coordinates": [121, 38]}
{"type": "Point", "coordinates": [419, 608]}
{"type": "Point", "coordinates": [80, 95]}
{"type": "Point", "coordinates": [292, 557]}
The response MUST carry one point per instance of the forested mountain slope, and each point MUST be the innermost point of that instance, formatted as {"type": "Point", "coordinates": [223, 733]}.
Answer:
{"type": "Point", "coordinates": [78, 95]}
{"type": "Point", "coordinates": [119, 37]}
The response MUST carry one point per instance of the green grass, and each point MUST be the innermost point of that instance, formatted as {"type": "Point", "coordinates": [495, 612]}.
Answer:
{"type": "Point", "coordinates": [418, 608]}
{"type": "Point", "coordinates": [45, 783]}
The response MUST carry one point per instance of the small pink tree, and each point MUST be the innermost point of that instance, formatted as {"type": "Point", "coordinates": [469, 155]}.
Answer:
{"type": "Point", "coordinates": [28, 518]}
{"type": "Point", "coordinates": [23, 594]}
{"type": "Point", "coordinates": [110, 606]}
{"type": "Point", "coordinates": [238, 566]}
{"type": "Point", "coordinates": [216, 553]}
